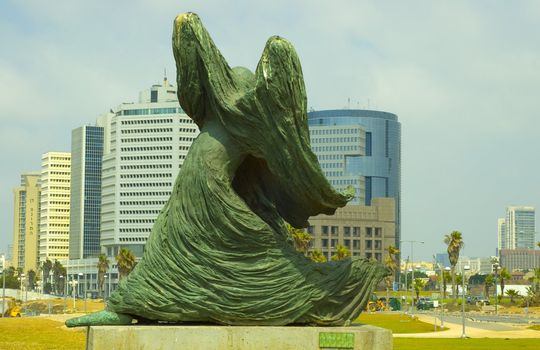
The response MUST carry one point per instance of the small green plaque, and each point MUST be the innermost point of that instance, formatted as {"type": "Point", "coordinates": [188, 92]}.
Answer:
{"type": "Point", "coordinates": [333, 340]}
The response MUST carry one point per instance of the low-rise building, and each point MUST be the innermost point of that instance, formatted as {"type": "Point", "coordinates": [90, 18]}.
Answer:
{"type": "Point", "coordinates": [519, 259]}
{"type": "Point", "coordinates": [366, 231]}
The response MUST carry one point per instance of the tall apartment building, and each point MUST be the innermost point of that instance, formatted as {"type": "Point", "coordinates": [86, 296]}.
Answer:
{"type": "Point", "coordinates": [143, 152]}
{"type": "Point", "coordinates": [501, 234]}
{"type": "Point", "coordinates": [365, 230]}
{"type": "Point", "coordinates": [517, 229]}
{"type": "Point", "coordinates": [54, 206]}
{"type": "Point", "coordinates": [362, 149]}
{"type": "Point", "coordinates": [85, 204]}
{"type": "Point", "coordinates": [26, 222]}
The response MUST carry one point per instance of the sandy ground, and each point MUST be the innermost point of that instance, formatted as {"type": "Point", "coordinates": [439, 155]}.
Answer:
{"type": "Point", "coordinates": [455, 330]}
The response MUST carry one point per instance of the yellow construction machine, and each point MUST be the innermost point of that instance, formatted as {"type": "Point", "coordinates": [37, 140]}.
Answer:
{"type": "Point", "coordinates": [11, 307]}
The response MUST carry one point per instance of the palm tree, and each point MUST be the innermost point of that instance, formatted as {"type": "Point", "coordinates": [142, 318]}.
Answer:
{"type": "Point", "coordinates": [126, 262]}
{"type": "Point", "coordinates": [488, 283]}
{"type": "Point", "coordinates": [300, 238]}
{"type": "Point", "coordinates": [419, 284]}
{"type": "Point", "coordinates": [31, 279]}
{"type": "Point", "coordinates": [504, 275]}
{"type": "Point", "coordinates": [535, 279]}
{"type": "Point", "coordinates": [390, 261]}
{"type": "Point", "coordinates": [317, 256]}
{"type": "Point", "coordinates": [512, 293]}
{"type": "Point", "coordinates": [341, 253]}
{"type": "Point", "coordinates": [102, 266]}
{"type": "Point", "coordinates": [455, 243]}
{"type": "Point", "coordinates": [58, 270]}
{"type": "Point", "coordinates": [46, 268]}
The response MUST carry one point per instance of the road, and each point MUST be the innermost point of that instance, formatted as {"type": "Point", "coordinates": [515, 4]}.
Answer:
{"type": "Point", "coordinates": [455, 317]}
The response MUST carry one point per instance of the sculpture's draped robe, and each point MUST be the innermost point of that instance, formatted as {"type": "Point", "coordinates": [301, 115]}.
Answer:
{"type": "Point", "coordinates": [220, 251]}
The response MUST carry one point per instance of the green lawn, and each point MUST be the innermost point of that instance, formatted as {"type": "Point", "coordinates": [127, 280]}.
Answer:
{"type": "Point", "coordinates": [398, 323]}
{"type": "Point", "coordinates": [36, 333]}
{"type": "Point", "coordinates": [464, 344]}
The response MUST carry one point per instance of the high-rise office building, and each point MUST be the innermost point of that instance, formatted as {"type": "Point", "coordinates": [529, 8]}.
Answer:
{"type": "Point", "coordinates": [143, 152]}
{"type": "Point", "coordinates": [362, 149]}
{"type": "Point", "coordinates": [85, 208]}
{"type": "Point", "coordinates": [26, 222]}
{"type": "Point", "coordinates": [54, 206]}
{"type": "Point", "coordinates": [517, 229]}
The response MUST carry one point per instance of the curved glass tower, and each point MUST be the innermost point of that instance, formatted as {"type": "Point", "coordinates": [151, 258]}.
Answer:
{"type": "Point", "coordinates": [360, 148]}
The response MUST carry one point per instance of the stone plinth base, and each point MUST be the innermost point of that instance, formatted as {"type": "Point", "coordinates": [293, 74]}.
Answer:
{"type": "Point", "coordinates": [238, 338]}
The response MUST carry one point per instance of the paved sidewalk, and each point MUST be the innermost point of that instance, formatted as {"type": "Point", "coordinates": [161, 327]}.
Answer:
{"type": "Point", "coordinates": [455, 330]}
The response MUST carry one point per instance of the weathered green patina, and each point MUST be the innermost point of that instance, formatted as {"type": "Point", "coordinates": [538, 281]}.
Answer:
{"type": "Point", "coordinates": [220, 251]}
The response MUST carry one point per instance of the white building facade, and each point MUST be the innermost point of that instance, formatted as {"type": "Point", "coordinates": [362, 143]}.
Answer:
{"type": "Point", "coordinates": [517, 229]}
{"type": "Point", "coordinates": [145, 145]}
{"type": "Point", "coordinates": [54, 206]}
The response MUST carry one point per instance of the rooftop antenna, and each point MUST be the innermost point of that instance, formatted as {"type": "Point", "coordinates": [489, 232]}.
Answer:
{"type": "Point", "coordinates": [349, 103]}
{"type": "Point", "coordinates": [165, 77]}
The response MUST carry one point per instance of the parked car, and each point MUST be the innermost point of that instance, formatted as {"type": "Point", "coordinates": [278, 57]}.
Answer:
{"type": "Point", "coordinates": [424, 303]}
{"type": "Point", "coordinates": [477, 300]}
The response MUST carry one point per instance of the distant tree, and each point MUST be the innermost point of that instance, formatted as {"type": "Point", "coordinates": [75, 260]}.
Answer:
{"type": "Point", "coordinates": [102, 266]}
{"type": "Point", "coordinates": [126, 262]}
{"type": "Point", "coordinates": [341, 253]}
{"type": "Point", "coordinates": [11, 278]}
{"type": "Point", "coordinates": [447, 277]}
{"type": "Point", "coordinates": [390, 261]}
{"type": "Point", "coordinates": [477, 279]}
{"type": "Point", "coordinates": [512, 293]}
{"type": "Point", "coordinates": [408, 276]}
{"type": "Point", "coordinates": [455, 243]}
{"type": "Point", "coordinates": [535, 279]}
{"type": "Point", "coordinates": [317, 256]}
{"type": "Point", "coordinates": [58, 270]}
{"type": "Point", "coordinates": [31, 275]}
{"type": "Point", "coordinates": [504, 276]}
{"type": "Point", "coordinates": [46, 268]}
{"type": "Point", "coordinates": [489, 281]}
{"type": "Point", "coordinates": [459, 280]}
{"type": "Point", "coordinates": [301, 239]}
{"type": "Point", "coordinates": [419, 285]}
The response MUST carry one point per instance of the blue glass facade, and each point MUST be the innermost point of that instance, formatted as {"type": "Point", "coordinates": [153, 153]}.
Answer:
{"type": "Point", "coordinates": [361, 148]}
{"type": "Point", "coordinates": [92, 191]}
{"type": "Point", "coordinates": [85, 206]}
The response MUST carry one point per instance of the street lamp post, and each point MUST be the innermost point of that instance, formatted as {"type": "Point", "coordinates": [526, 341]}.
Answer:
{"type": "Point", "coordinates": [64, 290]}
{"type": "Point", "coordinates": [412, 262]}
{"type": "Point", "coordinates": [441, 282]}
{"type": "Point", "coordinates": [21, 278]}
{"type": "Point", "coordinates": [465, 268]}
{"type": "Point", "coordinates": [496, 267]}
{"type": "Point", "coordinates": [73, 292]}
{"type": "Point", "coordinates": [110, 281]}
{"type": "Point", "coordinates": [83, 289]}
{"type": "Point", "coordinates": [105, 292]}
{"type": "Point", "coordinates": [410, 286]}
{"type": "Point", "coordinates": [3, 287]}
{"type": "Point", "coordinates": [446, 268]}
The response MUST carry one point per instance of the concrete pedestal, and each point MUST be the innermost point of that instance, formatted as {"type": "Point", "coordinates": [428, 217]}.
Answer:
{"type": "Point", "coordinates": [238, 338]}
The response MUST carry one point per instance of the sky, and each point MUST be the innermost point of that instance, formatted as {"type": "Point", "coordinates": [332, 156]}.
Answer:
{"type": "Point", "coordinates": [462, 76]}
